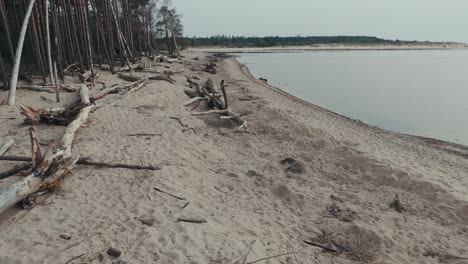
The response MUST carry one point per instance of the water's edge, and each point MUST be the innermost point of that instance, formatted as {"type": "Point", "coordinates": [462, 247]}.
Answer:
{"type": "Point", "coordinates": [428, 140]}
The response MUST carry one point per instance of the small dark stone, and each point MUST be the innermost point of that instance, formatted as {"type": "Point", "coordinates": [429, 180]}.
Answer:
{"type": "Point", "coordinates": [232, 175]}
{"type": "Point", "coordinates": [336, 198]}
{"type": "Point", "coordinates": [342, 214]}
{"type": "Point", "coordinates": [263, 79]}
{"type": "Point", "coordinates": [147, 221]}
{"type": "Point", "coordinates": [293, 166]}
{"type": "Point", "coordinates": [251, 173]}
{"type": "Point", "coordinates": [113, 252]}
{"type": "Point", "coordinates": [65, 237]}
{"type": "Point", "coordinates": [396, 204]}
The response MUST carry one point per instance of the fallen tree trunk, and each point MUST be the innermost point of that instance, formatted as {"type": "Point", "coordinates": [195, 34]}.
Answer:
{"type": "Point", "coordinates": [45, 88]}
{"type": "Point", "coordinates": [15, 170]}
{"type": "Point", "coordinates": [160, 77]}
{"type": "Point", "coordinates": [49, 174]}
{"type": "Point", "coordinates": [54, 166]}
{"type": "Point", "coordinates": [69, 135]}
{"type": "Point", "coordinates": [86, 162]}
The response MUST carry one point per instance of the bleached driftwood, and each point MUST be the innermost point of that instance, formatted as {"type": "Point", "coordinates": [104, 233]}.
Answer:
{"type": "Point", "coordinates": [166, 72]}
{"type": "Point", "coordinates": [54, 166]}
{"type": "Point", "coordinates": [136, 88]}
{"type": "Point", "coordinates": [49, 173]}
{"type": "Point", "coordinates": [69, 135]}
{"type": "Point", "coordinates": [195, 100]}
{"type": "Point", "coordinates": [6, 146]}
{"type": "Point", "coordinates": [117, 89]}
{"type": "Point", "coordinates": [220, 103]}
{"type": "Point", "coordinates": [160, 77]}
{"type": "Point", "coordinates": [89, 75]}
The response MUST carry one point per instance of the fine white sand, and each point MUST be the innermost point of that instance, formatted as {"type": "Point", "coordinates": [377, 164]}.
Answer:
{"type": "Point", "coordinates": [234, 179]}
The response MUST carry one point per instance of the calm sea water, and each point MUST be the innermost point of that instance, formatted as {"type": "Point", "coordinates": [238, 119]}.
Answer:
{"type": "Point", "coordinates": [420, 92]}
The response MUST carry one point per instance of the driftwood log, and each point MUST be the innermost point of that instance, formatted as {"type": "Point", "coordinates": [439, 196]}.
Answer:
{"type": "Point", "coordinates": [160, 77]}
{"type": "Point", "coordinates": [45, 88]}
{"type": "Point", "coordinates": [53, 167]}
{"type": "Point", "coordinates": [211, 68]}
{"type": "Point", "coordinates": [61, 116]}
{"type": "Point", "coordinates": [87, 162]}
{"type": "Point", "coordinates": [15, 170]}
{"type": "Point", "coordinates": [219, 102]}
{"type": "Point", "coordinates": [89, 75]}
{"type": "Point", "coordinates": [161, 58]}
{"type": "Point", "coordinates": [120, 89]}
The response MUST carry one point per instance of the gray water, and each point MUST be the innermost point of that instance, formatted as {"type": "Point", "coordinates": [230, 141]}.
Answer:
{"type": "Point", "coordinates": [420, 92]}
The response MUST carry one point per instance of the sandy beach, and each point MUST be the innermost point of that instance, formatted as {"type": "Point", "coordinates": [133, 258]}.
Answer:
{"type": "Point", "coordinates": [335, 47]}
{"type": "Point", "coordinates": [297, 173]}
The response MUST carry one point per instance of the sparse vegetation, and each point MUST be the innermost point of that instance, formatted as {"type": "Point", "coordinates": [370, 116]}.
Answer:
{"type": "Point", "coordinates": [271, 41]}
{"type": "Point", "coordinates": [396, 204]}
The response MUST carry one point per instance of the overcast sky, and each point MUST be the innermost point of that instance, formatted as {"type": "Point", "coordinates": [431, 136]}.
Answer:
{"type": "Point", "coordinates": [435, 20]}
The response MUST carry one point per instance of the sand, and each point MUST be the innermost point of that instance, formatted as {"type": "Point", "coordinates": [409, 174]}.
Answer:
{"type": "Point", "coordinates": [335, 47]}
{"type": "Point", "coordinates": [254, 206]}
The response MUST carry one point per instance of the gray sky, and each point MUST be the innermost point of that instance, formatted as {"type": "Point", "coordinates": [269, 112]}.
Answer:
{"type": "Point", "coordinates": [436, 20]}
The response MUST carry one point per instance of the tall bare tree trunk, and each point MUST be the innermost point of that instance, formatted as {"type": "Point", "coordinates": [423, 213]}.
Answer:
{"type": "Point", "coordinates": [19, 50]}
{"type": "Point", "coordinates": [49, 54]}
{"type": "Point", "coordinates": [176, 48]}
{"type": "Point", "coordinates": [6, 27]}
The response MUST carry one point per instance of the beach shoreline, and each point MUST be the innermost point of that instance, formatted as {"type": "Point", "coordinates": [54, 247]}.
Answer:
{"type": "Point", "coordinates": [429, 140]}
{"type": "Point", "coordinates": [297, 173]}
{"type": "Point", "coordinates": [333, 47]}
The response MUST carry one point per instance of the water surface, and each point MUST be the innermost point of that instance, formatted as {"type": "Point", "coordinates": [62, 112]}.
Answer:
{"type": "Point", "coordinates": [420, 92]}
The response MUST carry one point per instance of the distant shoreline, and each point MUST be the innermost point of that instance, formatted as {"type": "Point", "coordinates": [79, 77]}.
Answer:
{"type": "Point", "coordinates": [333, 47]}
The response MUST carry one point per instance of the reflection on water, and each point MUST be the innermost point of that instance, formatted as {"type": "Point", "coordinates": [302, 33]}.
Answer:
{"type": "Point", "coordinates": [421, 92]}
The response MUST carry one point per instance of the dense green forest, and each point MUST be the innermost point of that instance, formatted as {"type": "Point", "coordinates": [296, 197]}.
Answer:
{"type": "Point", "coordinates": [235, 41]}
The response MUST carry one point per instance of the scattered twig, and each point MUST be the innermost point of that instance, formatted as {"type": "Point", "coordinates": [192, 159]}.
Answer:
{"type": "Point", "coordinates": [6, 146]}
{"type": "Point", "coordinates": [144, 135]}
{"type": "Point", "coordinates": [77, 257]}
{"type": "Point", "coordinates": [180, 121]}
{"type": "Point", "coordinates": [191, 220]}
{"type": "Point", "coordinates": [172, 195]}
{"type": "Point", "coordinates": [277, 256]}
{"type": "Point", "coordinates": [185, 205]}
{"type": "Point", "coordinates": [311, 243]}
{"type": "Point", "coordinates": [250, 250]}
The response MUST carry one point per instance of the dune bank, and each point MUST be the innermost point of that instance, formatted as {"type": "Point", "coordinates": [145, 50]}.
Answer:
{"type": "Point", "coordinates": [297, 173]}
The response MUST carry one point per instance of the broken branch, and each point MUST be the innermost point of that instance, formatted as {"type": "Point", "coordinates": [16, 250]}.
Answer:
{"type": "Point", "coordinates": [6, 146]}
